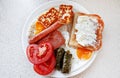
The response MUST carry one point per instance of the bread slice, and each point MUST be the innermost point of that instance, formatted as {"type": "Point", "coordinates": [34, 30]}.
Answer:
{"type": "Point", "coordinates": [98, 32]}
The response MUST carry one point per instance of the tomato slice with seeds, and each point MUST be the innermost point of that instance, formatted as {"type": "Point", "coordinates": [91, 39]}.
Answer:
{"type": "Point", "coordinates": [46, 67]}
{"type": "Point", "coordinates": [38, 54]}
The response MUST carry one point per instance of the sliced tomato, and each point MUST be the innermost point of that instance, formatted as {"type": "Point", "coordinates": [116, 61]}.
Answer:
{"type": "Point", "coordinates": [46, 67]}
{"type": "Point", "coordinates": [38, 54]}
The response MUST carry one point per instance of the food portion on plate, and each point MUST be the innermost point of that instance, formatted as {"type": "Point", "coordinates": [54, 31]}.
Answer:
{"type": "Point", "coordinates": [86, 31]}
{"type": "Point", "coordinates": [61, 35]}
{"type": "Point", "coordinates": [63, 60]}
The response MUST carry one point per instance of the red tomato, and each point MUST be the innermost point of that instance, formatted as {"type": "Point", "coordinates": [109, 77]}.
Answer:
{"type": "Point", "coordinates": [38, 54]}
{"type": "Point", "coordinates": [46, 67]}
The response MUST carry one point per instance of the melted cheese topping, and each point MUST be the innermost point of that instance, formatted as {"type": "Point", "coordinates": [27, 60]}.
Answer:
{"type": "Point", "coordinates": [86, 29]}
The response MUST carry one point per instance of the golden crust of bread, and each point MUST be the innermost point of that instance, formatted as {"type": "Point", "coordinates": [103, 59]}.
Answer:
{"type": "Point", "coordinates": [75, 44]}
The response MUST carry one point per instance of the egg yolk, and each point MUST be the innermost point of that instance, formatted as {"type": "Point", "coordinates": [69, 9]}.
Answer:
{"type": "Point", "coordinates": [39, 27]}
{"type": "Point", "coordinates": [83, 53]}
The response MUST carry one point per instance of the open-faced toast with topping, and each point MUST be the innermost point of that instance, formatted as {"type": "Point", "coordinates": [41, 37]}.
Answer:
{"type": "Point", "coordinates": [86, 31]}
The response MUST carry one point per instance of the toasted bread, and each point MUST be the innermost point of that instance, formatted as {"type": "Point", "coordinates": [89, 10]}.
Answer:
{"type": "Point", "coordinates": [73, 42]}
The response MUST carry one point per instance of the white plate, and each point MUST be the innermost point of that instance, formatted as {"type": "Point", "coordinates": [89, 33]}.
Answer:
{"type": "Point", "coordinates": [76, 68]}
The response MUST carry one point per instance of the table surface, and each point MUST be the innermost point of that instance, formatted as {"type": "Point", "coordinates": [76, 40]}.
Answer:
{"type": "Point", "coordinates": [13, 62]}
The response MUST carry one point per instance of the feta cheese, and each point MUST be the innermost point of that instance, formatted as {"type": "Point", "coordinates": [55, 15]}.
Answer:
{"type": "Point", "coordinates": [86, 30]}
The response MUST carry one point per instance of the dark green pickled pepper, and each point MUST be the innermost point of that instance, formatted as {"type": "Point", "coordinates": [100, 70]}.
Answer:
{"type": "Point", "coordinates": [66, 62]}
{"type": "Point", "coordinates": [59, 58]}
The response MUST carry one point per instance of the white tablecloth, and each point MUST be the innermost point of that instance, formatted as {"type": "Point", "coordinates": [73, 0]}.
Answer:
{"type": "Point", "coordinates": [13, 62]}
